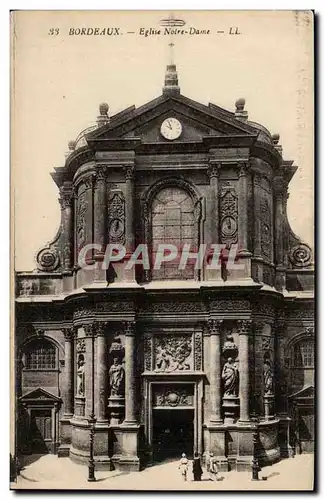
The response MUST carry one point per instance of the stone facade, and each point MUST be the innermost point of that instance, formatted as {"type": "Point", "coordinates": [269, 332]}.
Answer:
{"type": "Point", "coordinates": [214, 348]}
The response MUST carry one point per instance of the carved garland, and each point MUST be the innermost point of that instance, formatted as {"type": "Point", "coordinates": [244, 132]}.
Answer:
{"type": "Point", "coordinates": [80, 219]}
{"type": "Point", "coordinates": [198, 351]}
{"type": "Point", "coordinates": [265, 228]}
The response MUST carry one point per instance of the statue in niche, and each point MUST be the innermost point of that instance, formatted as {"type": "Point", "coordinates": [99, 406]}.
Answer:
{"type": "Point", "coordinates": [117, 378]}
{"type": "Point", "coordinates": [230, 377]}
{"type": "Point", "coordinates": [267, 377]}
{"type": "Point", "coordinates": [80, 375]}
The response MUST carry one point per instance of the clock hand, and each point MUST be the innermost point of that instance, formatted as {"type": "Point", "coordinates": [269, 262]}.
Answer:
{"type": "Point", "coordinates": [169, 125]}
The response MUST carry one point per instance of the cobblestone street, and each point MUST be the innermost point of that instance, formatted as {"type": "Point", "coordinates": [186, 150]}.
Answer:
{"type": "Point", "coordinates": [51, 472]}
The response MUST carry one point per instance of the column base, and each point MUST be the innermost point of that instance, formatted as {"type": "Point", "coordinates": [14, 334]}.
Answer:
{"type": "Point", "coordinates": [244, 463]}
{"type": "Point", "coordinates": [126, 446]}
{"type": "Point", "coordinates": [64, 450]}
{"type": "Point", "coordinates": [217, 445]}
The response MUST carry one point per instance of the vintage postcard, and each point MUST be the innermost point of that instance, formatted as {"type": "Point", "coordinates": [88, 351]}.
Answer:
{"type": "Point", "coordinates": [163, 273]}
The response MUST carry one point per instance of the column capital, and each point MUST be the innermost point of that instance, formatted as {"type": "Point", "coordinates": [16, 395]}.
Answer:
{"type": "Point", "coordinates": [129, 328]}
{"type": "Point", "coordinates": [89, 330]}
{"type": "Point", "coordinates": [244, 326]}
{"type": "Point", "coordinates": [68, 333]}
{"type": "Point", "coordinates": [129, 171]}
{"type": "Point", "coordinates": [257, 179]}
{"type": "Point", "coordinates": [90, 181]}
{"type": "Point", "coordinates": [280, 325]}
{"type": "Point", "coordinates": [258, 327]}
{"type": "Point", "coordinates": [66, 198]}
{"type": "Point", "coordinates": [243, 167]}
{"type": "Point", "coordinates": [99, 328]}
{"type": "Point", "coordinates": [101, 173]}
{"type": "Point", "coordinates": [213, 169]}
{"type": "Point", "coordinates": [215, 326]}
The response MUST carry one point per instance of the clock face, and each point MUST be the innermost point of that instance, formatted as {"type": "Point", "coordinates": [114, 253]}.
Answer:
{"type": "Point", "coordinates": [171, 129]}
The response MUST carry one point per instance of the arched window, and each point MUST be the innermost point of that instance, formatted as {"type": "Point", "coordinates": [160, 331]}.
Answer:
{"type": "Point", "coordinates": [40, 354]}
{"type": "Point", "coordinates": [303, 354]}
{"type": "Point", "coordinates": [173, 222]}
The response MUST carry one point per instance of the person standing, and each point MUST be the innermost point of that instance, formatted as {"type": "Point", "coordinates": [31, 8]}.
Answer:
{"type": "Point", "coordinates": [183, 466]}
{"type": "Point", "coordinates": [196, 468]}
{"type": "Point", "coordinates": [213, 469]}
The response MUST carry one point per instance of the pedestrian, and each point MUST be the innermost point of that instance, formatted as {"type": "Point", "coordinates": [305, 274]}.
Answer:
{"type": "Point", "coordinates": [196, 468]}
{"type": "Point", "coordinates": [213, 469]}
{"type": "Point", "coordinates": [183, 466]}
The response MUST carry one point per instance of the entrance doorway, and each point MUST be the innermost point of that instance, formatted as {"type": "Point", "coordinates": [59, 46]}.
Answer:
{"type": "Point", "coordinates": [173, 433]}
{"type": "Point", "coordinates": [41, 431]}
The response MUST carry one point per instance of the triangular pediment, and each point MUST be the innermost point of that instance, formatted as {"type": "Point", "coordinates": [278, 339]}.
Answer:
{"type": "Point", "coordinates": [305, 392]}
{"type": "Point", "coordinates": [39, 394]}
{"type": "Point", "coordinates": [197, 121]}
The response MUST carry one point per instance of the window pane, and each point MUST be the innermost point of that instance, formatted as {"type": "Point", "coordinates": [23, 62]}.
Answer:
{"type": "Point", "coordinates": [173, 223]}
{"type": "Point", "coordinates": [303, 354]}
{"type": "Point", "coordinates": [40, 355]}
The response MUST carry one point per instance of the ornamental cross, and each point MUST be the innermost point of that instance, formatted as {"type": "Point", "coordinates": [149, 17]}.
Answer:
{"type": "Point", "coordinates": [171, 45]}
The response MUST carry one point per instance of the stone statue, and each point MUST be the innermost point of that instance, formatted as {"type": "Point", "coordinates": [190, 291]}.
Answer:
{"type": "Point", "coordinates": [267, 377]}
{"type": "Point", "coordinates": [80, 376]}
{"type": "Point", "coordinates": [117, 378]}
{"type": "Point", "coordinates": [230, 376]}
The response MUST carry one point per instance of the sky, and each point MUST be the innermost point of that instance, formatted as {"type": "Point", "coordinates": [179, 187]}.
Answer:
{"type": "Point", "coordinates": [59, 80]}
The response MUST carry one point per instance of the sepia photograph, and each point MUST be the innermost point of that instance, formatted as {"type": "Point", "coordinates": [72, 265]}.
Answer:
{"type": "Point", "coordinates": [162, 200]}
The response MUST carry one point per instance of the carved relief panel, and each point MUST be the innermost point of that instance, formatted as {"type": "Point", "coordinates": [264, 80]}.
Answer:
{"type": "Point", "coordinates": [173, 396]}
{"type": "Point", "coordinates": [173, 353]}
{"type": "Point", "coordinates": [266, 229]}
{"type": "Point", "coordinates": [80, 220]}
{"type": "Point", "coordinates": [116, 217]}
{"type": "Point", "coordinates": [228, 214]}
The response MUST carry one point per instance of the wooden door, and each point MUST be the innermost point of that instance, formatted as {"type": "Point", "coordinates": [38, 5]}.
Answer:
{"type": "Point", "coordinates": [41, 430]}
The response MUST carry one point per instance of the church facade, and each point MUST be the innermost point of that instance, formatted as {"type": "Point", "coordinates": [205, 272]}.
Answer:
{"type": "Point", "coordinates": [163, 359]}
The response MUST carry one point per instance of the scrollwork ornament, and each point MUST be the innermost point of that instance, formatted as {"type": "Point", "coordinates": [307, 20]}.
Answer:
{"type": "Point", "coordinates": [47, 259]}
{"type": "Point", "coordinates": [301, 256]}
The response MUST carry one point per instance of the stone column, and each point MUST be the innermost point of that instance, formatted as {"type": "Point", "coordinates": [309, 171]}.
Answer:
{"type": "Point", "coordinates": [244, 333]}
{"type": "Point", "coordinates": [101, 371]}
{"type": "Point", "coordinates": [88, 393]}
{"type": "Point", "coordinates": [129, 196]}
{"type": "Point", "coordinates": [213, 211]}
{"type": "Point", "coordinates": [257, 214]}
{"type": "Point", "coordinates": [278, 217]}
{"type": "Point", "coordinates": [280, 192]}
{"type": "Point", "coordinates": [66, 201]}
{"type": "Point", "coordinates": [243, 208]}
{"type": "Point", "coordinates": [68, 372]}
{"type": "Point", "coordinates": [215, 370]}
{"type": "Point", "coordinates": [100, 210]}
{"type": "Point", "coordinates": [130, 375]}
